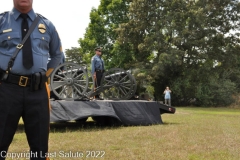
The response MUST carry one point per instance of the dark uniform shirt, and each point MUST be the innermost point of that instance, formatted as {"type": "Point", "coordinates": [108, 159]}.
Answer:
{"type": "Point", "coordinates": [97, 63]}
{"type": "Point", "coordinates": [45, 43]}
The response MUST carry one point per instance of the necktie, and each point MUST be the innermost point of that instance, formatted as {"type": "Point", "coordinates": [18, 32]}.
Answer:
{"type": "Point", "coordinates": [27, 47]}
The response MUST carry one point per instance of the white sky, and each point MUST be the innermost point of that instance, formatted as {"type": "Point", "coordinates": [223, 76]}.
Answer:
{"type": "Point", "coordinates": [71, 17]}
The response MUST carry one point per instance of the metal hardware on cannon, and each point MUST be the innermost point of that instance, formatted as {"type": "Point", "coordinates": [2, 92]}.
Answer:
{"type": "Point", "coordinates": [69, 81]}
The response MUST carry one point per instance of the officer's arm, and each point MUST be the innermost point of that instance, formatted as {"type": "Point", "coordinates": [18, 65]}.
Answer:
{"type": "Point", "coordinates": [103, 65]}
{"type": "Point", "coordinates": [55, 50]}
{"type": "Point", "coordinates": [93, 66]}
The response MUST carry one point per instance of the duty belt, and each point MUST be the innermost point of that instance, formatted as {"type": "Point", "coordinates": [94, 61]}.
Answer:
{"type": "Point", "coordinates": [23, 81]}
{"type": "Point", "coordinates": [98, 70]}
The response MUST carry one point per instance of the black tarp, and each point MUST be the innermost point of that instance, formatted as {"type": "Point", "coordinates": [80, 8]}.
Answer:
{"type": "Point", "coordinates": [129, 112]}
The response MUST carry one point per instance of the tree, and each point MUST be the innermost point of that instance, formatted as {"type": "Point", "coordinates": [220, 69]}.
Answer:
{"type": "Point", "coordinates": [185, 44]}
{"type": "Point", "coordinates": [190, 45]}
{"type": "Point", "coordinates": [102, 32]}
{"type": "Point", "coordinates": [74, 55]}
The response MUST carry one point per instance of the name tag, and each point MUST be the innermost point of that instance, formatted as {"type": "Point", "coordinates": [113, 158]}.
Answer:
{"type": "Point", "coordinates": [7, 30]}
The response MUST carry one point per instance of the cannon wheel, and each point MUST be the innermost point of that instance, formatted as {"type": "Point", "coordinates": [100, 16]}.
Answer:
{"type": "Point", "coordinates": [69, 81]}
{"type": "Point", "coordinates": [117, 84]}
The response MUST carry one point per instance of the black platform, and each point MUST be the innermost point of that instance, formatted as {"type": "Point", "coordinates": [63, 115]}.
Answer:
{"type": "Point", "coordinates": [126, 112]}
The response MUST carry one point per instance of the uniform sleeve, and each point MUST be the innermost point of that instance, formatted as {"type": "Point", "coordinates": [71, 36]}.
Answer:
{"type": "Point", "coordinates": [63, 58]}
{"type": "Point", "coordinates": [55, 49]}
{"type": "Point", "coordinates": [103, 65]}
{"type": "Point", "coordinates": [93, 65]}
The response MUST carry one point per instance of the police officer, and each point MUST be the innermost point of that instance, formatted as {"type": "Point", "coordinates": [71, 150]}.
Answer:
{"type": "Point", "coordinates": [23, 92]}
{"type": "Point", "coordinates": [97, 64]}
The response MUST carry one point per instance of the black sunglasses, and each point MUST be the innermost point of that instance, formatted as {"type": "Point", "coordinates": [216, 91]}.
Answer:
{"type": "Point", "coordinates": [99, 51]}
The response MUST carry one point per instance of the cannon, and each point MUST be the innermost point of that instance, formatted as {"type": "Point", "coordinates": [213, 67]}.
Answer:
{"type": "Point", "coordinates": [70, 81]}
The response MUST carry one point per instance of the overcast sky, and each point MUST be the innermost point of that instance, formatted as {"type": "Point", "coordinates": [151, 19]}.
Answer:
{"type": "Point", "coordinates": [70, 17]}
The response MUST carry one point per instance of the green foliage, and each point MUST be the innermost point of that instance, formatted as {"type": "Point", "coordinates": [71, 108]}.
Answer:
{"type": "Point", "coordinates": [102, 32]}
{"type": "Point", "coordinates": [212, 90]}
{"type": "Point", "coordinates": [190, 46]}
{"type": "Point", "coordinates": [188, 40]}
{"type": "Point", "coordinates": [76, 56]}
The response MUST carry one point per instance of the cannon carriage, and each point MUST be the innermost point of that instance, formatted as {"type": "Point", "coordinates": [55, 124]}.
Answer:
{"type": "Point", "coordinates": [70, 81]}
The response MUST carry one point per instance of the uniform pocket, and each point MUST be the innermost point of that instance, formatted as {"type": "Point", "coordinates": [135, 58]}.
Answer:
{"type": "Point", "coordinates": [8, 42]}
{"type": "Point", "coordinates": [41, 43]}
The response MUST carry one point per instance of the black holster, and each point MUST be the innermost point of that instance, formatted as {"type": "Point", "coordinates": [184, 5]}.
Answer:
{"type": "Point", "coordinates": [38, 81]}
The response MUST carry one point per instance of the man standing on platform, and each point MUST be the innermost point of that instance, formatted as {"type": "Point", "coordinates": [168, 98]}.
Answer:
{"type": "Point", "coordinates": [97, 64]}
{"type": "Point", "coordinates": [24, 69]}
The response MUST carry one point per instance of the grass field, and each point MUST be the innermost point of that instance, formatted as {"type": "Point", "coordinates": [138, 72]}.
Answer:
{"type": "Point", "coordinates": [189, 134]}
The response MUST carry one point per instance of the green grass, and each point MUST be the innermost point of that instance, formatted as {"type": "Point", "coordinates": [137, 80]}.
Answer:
{"type": "Point", "coordinates": [189, 134]}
